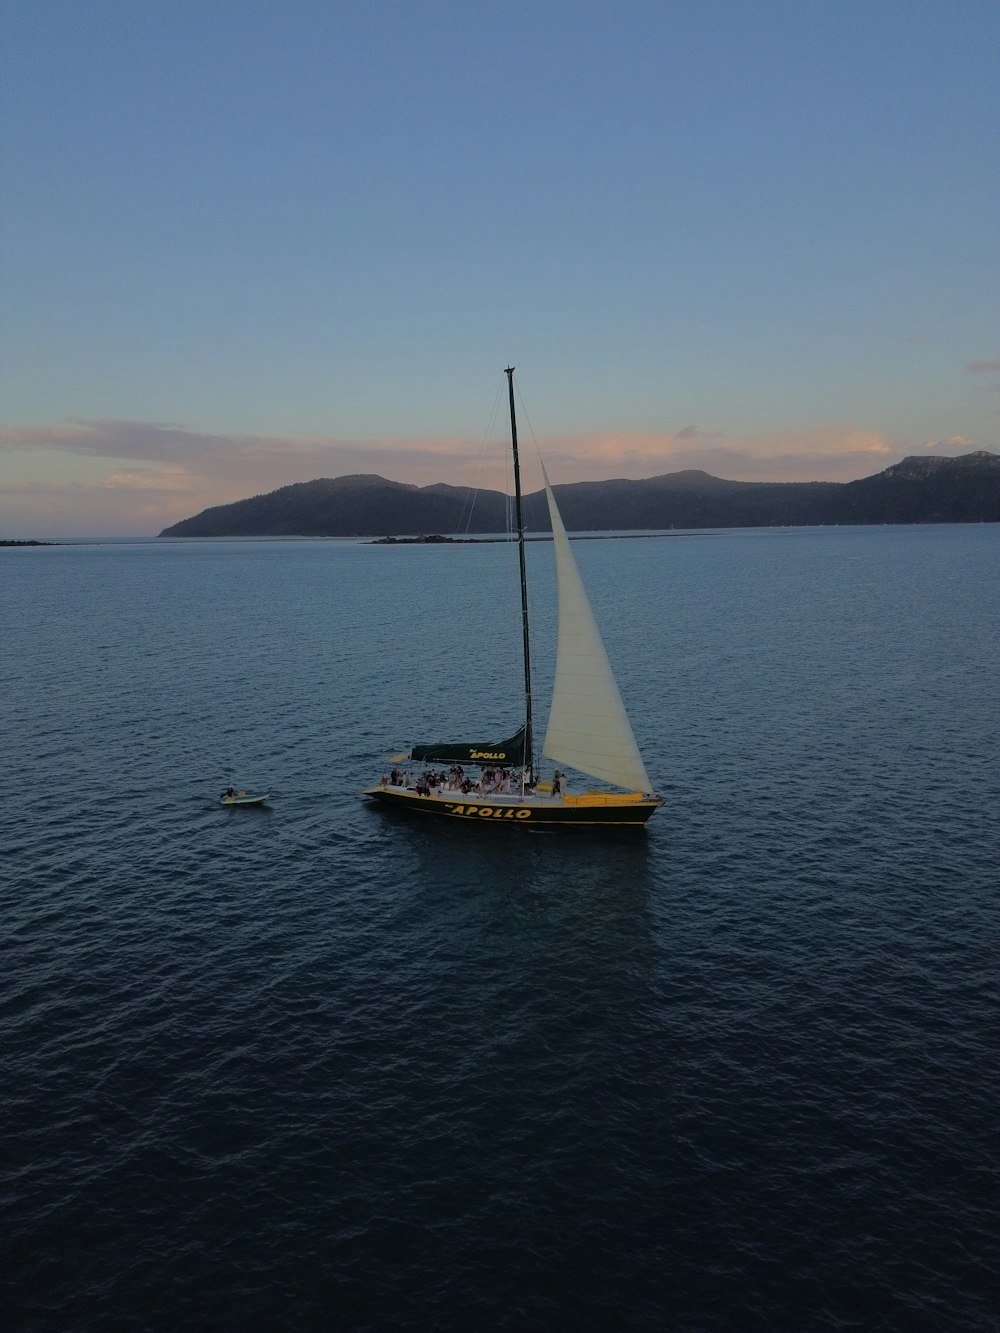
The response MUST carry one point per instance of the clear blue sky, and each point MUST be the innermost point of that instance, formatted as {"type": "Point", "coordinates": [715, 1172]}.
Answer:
{"type": "Point", "coordinates": [759, 236]}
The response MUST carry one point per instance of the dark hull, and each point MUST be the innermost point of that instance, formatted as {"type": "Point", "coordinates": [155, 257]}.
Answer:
{"type": "Point", "coordinates": [588, 811]}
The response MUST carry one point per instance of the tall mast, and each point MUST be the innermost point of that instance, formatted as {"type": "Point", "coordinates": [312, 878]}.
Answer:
{"type": "Point", "coordinates": [528, 735]}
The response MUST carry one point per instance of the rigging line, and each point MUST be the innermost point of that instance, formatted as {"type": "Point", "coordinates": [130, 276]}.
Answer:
{"type": "Point", "coordinates": [493, 439]}
{"type": "Point", "coordinates": [530, 590]}
{"type": "Point", "coordinates": [509, 651]}
{"type": "Point", "coordinates": [469, 503]}
{"type": "Point", "coordinates": [522, 409]}
{"type": "Point", "coordinates": [531, 430]}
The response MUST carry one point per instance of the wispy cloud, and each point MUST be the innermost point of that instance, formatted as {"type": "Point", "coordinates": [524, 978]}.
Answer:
{"type": "Point", "coordinates": [827, 453]}
{"type": "Point", "coordinates": [220, 457]}
{"type": "Point", "coordinates": [696, 433]}
{"type": "Point", "coordinates": [954, 444]}
{"type": "Point", "coordinates": [985, 368]}
{"type": "Point", "coordinates": [161, 480]}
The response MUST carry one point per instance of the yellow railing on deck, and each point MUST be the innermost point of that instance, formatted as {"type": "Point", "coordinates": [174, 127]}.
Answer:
{"type": "Point", "coordinates": [604, 798]}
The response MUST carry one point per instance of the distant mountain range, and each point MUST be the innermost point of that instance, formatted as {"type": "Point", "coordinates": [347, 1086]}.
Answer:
{"type": "Point", "coordinates": [917, 490]}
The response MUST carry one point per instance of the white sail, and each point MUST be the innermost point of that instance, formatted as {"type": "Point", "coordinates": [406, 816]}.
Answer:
{"type": "Point", "coordinates": [588, 727]}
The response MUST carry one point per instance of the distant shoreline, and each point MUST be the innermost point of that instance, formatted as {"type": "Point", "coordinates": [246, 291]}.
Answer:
{"type": "Point", "coordinates": [435, 540]}
{"type": "Point", "coordinates": [485, 540]}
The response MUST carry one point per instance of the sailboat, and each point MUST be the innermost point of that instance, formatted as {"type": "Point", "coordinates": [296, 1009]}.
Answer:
{"type": "Point", "coordinates": [588, 729]}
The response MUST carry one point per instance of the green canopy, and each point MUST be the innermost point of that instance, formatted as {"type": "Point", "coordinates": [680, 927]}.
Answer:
{"type": "Point", "coordinates": [513, 751]}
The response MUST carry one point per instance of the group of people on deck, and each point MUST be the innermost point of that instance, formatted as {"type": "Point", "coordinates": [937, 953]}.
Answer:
{"type": "Point", "coordinates": [491, 782]}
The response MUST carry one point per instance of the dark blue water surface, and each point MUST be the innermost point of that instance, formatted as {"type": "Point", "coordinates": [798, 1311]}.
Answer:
{"type": "Point", "coordinates": [316, 1066]}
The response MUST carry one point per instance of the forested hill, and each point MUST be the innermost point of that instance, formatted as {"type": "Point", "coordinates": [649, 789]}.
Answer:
{"type": "Point", "coordinates": [917, 490]}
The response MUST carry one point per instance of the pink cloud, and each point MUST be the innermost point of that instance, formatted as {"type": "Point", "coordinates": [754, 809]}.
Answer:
{"type": "Point", "coordinates": [952, 447]}
{"type": "Point", "coordinates": [825, 453]}
{"type": "Point", "coordinates": [157, 481]}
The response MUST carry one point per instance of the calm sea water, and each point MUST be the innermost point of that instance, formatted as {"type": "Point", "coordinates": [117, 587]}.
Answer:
{"type": "Point", "coordinates": [316, 1066]}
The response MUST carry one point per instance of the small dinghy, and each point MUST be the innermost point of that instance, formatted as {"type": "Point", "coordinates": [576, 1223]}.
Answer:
{"type": "Point", "coordinates": [233, 796]}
